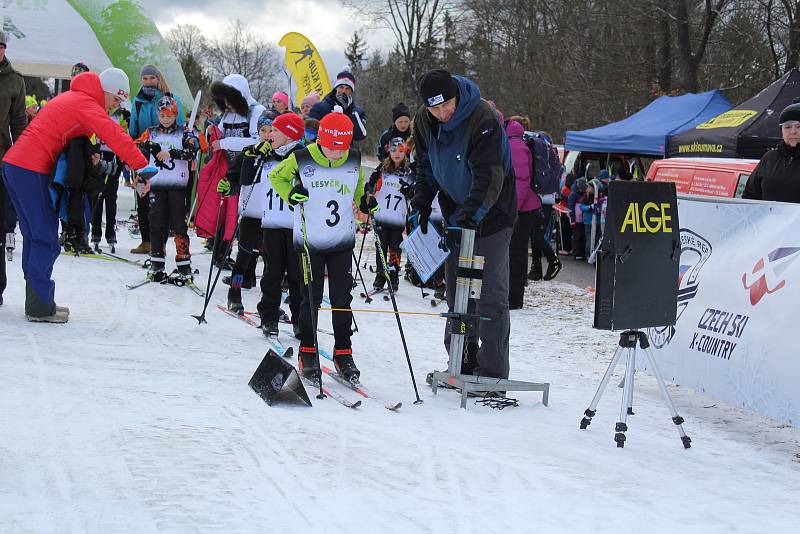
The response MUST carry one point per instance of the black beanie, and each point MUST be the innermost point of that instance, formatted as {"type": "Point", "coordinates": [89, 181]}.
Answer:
{"type": "Point", "coordinates": [400, 110]}
{"type": "Point", "coordinates": [790, 112]}
{"type": "Point", "coordinates": [437, 86]}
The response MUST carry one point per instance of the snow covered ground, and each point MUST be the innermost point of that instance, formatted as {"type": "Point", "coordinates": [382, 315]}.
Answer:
{"type": "Point", "coordinates": [132, 418]}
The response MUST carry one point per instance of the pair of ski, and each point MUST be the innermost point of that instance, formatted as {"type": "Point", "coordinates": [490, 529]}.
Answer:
{"type": "Point", "coordinates": [101, 255]}
{"type": "Point", "coordinates": [288, 351]}
{"type": "Point", "coordinates": [173, 279]}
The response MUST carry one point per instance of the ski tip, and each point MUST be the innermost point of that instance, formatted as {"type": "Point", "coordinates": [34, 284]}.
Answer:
{"type": "Point", "coordinates": [355, 404]}
{"type": "Point", "coordinates": [289, 352]}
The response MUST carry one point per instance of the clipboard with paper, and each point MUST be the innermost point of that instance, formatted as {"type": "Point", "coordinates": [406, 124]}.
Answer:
{"type": "Point", "coordinates": [425, 252]}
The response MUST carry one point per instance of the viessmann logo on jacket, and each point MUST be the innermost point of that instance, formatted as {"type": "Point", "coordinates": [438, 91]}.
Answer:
{"type": "Point", "coordinates": [766, 277]}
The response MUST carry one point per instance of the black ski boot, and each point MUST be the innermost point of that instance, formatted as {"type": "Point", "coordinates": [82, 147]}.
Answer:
{"type": "Point", "coordinates": [394, 278]}
{"type": "Point", "coordinates": [185, 269]}
{"type": "Point", "coordinates": [235, 301]}
{"type": "Point", "coordinates": [283, 316]}
{"type": "Point", "coordinates": [156, 271]}
{"type": "Point", "coordinates": [553, 268]}
{"type": "Point", "coordinates": [296, 330]}
{"type": "Point", "coordinates": [270, 328]}
{"type": "Point", "coordinates": [307, 363]}
{"type": "Point", "coordinates": [111, 240]}
{"type": "Point", "coordinates": [536, 271]}
{"type": "Point", "coordinates": [379, 282]}
{"type": "Point", "coordinates": [345, 366]}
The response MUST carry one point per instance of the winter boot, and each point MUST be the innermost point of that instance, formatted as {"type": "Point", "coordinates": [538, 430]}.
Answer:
{"type": "Point", "coordinates": [308, 364]}
{"type": "Point", "coordinates": [143, 248]}
{"type": "Point", "coordinates": [345, 366]}
{"type": "Point", "coordinates": [235, 301]}
{"type": "Point", "coordinates": [536, 271]}
{"type": "Point", "coordinates": [553, 268]}
{"type": "Point", "coordinates": [58, 317]}
{"type": "Point", "coordinates": [269, 328]}
{"type": "Point", "coordinates": [96, 243]}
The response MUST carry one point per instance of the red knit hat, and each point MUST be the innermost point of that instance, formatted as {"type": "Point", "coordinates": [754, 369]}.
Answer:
{"type": "Point", "coordinates": [290, 124]}
{"type": "Point", "coordinates": [335, 130]}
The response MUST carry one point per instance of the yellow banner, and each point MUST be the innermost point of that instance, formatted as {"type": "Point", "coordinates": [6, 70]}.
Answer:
{"type": "Point", "coordinates": [306, 65]}
{"type": "Point", "coordinates": [729, 119]}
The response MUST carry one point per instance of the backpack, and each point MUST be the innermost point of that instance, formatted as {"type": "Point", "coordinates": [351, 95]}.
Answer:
{"type": "Point", "coordinates": [546, 165]}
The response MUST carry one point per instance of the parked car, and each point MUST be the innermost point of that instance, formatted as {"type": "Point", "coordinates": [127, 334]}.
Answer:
{"type": "Point", "coordinates": [716, 177]}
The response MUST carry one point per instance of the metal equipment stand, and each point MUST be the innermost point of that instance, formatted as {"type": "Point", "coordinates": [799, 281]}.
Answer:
{"type": "Point", "coordinates": [628, 341]}
{"type": "Point", "coordinates": [468, 286]}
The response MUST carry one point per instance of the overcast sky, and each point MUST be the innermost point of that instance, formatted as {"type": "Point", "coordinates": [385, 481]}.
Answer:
{"type": "Point", "coordinates": [326, 23]}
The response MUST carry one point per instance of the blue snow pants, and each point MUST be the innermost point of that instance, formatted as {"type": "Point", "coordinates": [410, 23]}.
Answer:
{"type": "Point", "coordinates": [38, 223]}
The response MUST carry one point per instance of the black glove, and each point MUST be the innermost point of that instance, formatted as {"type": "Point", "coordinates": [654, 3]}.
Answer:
{"type": "Point", "coordinates": [298, 195]}
{"type": "Point", "coordinates": [424, 215]}
{"type": "Point", "coordinates": [465, 220]}
{"type": "Point", "coordinates": [368, 206]}
{"type": "Point", "coordinates": [407, 189]}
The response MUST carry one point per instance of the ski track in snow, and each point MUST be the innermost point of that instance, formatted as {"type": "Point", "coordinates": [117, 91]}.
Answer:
{"type": "Point", "coordinates": [132, 418]}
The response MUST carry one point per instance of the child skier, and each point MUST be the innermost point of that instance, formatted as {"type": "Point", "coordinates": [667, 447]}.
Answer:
{"type": "Point", "coordinates": [251, 208]}
{"type": "Point", "coordinates": [322, 181]}
{"type": "Point", "coordinates": [277, 222]}
{"type": "Point", "coordinates": [390, 184]}
{"type": "Point", "coordinates": [170, 148]}
{"type": "Point", "coordinates": [111, 168]}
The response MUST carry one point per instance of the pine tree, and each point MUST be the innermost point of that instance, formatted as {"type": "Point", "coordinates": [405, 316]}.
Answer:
{"type": "Point", "coordinates": [355, 53]}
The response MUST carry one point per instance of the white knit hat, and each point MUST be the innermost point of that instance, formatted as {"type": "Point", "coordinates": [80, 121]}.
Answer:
{"type": "Point", "coordinates": [115, 81]}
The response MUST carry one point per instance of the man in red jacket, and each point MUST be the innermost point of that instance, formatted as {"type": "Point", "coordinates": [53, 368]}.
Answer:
{"type": "Point", "coordinates": [29, 164]}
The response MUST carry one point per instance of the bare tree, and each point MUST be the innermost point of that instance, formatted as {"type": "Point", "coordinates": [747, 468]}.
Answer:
{"type": "Point", "coordinates": [691, 50]}
{"type": "Point", "coordinates": [190, 48]}
{"type": "Point", "coordinates": [417, 26]}
{"type": "Point", "coordinates": [248, 54]}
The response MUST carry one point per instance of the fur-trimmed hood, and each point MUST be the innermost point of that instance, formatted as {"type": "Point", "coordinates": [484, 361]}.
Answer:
{"type": "Point", "coordinates": [235, 89]}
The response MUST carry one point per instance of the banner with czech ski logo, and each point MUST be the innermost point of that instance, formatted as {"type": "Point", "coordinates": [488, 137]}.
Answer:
{"type": "Point", "coordinates": [739, 291]}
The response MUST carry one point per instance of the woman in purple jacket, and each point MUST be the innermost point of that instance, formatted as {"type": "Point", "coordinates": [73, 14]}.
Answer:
{"type": "Point", "coordinates": [527, 202]}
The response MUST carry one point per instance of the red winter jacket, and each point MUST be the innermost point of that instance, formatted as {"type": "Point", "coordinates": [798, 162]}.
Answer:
{"type": "Point", "coordinates": [78, 112]}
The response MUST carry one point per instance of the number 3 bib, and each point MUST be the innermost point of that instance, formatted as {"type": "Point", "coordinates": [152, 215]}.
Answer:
{"type": "Point", "coordinates": [329, 221]}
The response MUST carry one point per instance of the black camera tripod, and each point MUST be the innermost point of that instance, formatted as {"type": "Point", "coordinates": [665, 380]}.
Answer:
{"type": "Point", "coordinates": [628, 341]}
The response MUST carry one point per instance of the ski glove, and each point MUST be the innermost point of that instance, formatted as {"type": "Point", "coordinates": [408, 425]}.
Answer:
{"type": "Point", "coordinates": [368, 205]}
{"type": "Point", "coordinates": [465, 220]}
{"type": "Point", "coordinates": [262, 148]}
{"type": "Point", "coordinates": [424, 215]}
{"type": "Point", "coordinates": [147, 173]}
{"type": "Point", "coordinates": [298, 195]}
{"type": "Point", "coordinates": [407, 189]}
{"type": "Point", "coordinates": [224, 187]}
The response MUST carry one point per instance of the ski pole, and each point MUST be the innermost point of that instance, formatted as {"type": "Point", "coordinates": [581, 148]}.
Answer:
{"type": "Point", "coordinates": [363, 284]}
{"type": "Point", "coordinates": [308, 278]}
{"type": "Point", "coordinates": [216, 231]}
{"type": "Point", "coordinates": [421, 283]}
{"type": "Point", "coordinates": [209, 291]}
{"type": "Point", "coordinates": [361, 250]}
{"type": "Point", "coordinates": [385, 266]}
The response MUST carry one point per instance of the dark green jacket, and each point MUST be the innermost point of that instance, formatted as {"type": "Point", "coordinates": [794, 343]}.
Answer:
{"type": "Point", "coordinates": [12, 106]}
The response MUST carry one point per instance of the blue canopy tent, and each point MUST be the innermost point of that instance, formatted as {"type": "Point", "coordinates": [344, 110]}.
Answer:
{"type": "Point", "coordinates": [647, 130]}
